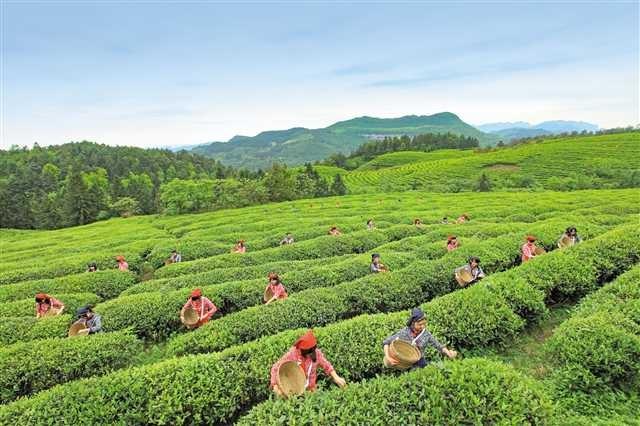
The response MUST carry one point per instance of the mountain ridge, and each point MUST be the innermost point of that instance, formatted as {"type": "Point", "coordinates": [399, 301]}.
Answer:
{"type": "Point", "coordinates": [298, 145]}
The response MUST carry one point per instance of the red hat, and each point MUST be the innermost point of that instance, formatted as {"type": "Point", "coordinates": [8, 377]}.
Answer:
{"type": "Point", "coordinates": [196, 293]}
{"type": "Point", "coordinates": [120, 258]}
{"type": "Point", "coordinates": [531, 238]}
{"type": "Point", "coordinates": [306, 341]}
{"type": "Point", "coordinates": [451, 237]}
{"type": "Point", "coordinates": [273, 275]}
{"type": "Point", "coordinates": [42, 296]}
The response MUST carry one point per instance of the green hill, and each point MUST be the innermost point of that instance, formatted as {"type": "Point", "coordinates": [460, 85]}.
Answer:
{"type": "Point", "coordinates": [299, 145]}
{"type": "Point", "coordinates": [602, 161]}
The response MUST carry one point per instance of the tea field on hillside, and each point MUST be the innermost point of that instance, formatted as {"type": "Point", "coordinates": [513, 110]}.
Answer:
{"type": "Point", "coordinates": [147, 368]}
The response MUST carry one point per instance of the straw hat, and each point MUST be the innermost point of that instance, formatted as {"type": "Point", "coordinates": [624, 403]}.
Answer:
{"type": "Point", "coordinates": [191, 317]}
{"type": "Point", "coordinates": [291, 379]}
{"type": "Point", "coordinates": [77, 328]}
{"type": "Point", "coordinates": [463, 277]}
{"type": "Point", "coordinates": [405, 353]}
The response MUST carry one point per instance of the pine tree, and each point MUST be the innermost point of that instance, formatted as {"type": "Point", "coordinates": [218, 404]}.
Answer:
{"type": "Point", "coordinates": [338, 187]}
{"type": "Point", "coordinates": [484, 184]}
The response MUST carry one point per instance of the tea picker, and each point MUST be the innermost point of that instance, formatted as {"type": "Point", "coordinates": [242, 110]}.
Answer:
{"type": "Point", "coordinates": [198, 310]}
{"type": "Point", "coordinates": [530, 250]}
{"type": "Point", "coordinates": [405, 349]}
{"type": "Point", "coordinates": [296, 371]}
{"type": "Point", "coordinates": [469, 273]}
{"type": "Point", "coordinates": [274, 290]}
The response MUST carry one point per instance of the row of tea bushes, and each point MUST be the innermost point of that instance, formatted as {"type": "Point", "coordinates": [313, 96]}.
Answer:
{"type": "Point", "coordinates": [27, 368]}
{"type": "Point", "coordinates": [596, 353]}
{"type": "Point", "coordinates": [216, 388]}
{"type": "Point", "coordinates": [391, 291]}
{"type": "Point", "coordinates": [473, 391]}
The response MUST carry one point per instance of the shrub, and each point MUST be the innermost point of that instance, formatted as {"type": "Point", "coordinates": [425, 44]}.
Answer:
{"type": "Point", "coordinates": [475, 391]}
{"type": "Point", "coordinates": [24, 329]}
{"type": "Point", "coordinates": [106, 284]}
{"type": "Point", "coordinates": [32, 367]}
{"type": "Point", "coordinates": [26, 307]}
{"type": "Point", "coordinates": [215, 388]}
{"type": "Point", "coordinates": [373, 293]}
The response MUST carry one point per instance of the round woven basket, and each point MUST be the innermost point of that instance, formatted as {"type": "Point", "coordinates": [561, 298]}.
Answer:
{"type": "Point", "coordinates": [77, 329]}
{"type": "Point", "coordinates": [565, 241]}
{"type": "Point", "coordinates": [190, 317]}
{"type": "Point", "coordinates": [291, 379]}
{"type": "Point", "coordinates": [539, 251]}
{"type": "Point", "coordinates": [464, 277]}
{"type": "Point", "coordinates": [268, 294]}
{"type": "Point", "coordinates": [52, 312]}
{"type": "Point", "coordinates": [405, 353]}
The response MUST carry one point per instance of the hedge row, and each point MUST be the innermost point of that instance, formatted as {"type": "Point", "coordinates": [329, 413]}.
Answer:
{"type": "Point", "coordinates": [27, 368]}
{"type": "Point", "coordinates": [24, 329]}
{"type": "Point", "coordinates": [228, 274]}
{"type": "Point", "coordinates": [325, 246]}
{"type": "Point", "coordinates": [155, 316]}
{"type": "Point", "coordinates": [391, 291]}
{"type": "Point", "coordinates": [599, 346]}
{"type": "Point", "coordinates": [207, 245]}
{"type": "Point", "coordinates": [106, 284]}
{"type": "Point", "coordinates": [415, 244]}
{"type": "Point", "coordinates": [134, 253]}
{"type": "Point", "coordinates": [26, 307]}
{"type": "Point", "coordinates": [215, 388]}
{"type": "Point", "coordinates": [473, 391]}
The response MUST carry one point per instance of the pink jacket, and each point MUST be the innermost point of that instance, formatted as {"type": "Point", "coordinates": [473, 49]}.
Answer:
{"type": "Point", "coordinates": [310, 368]}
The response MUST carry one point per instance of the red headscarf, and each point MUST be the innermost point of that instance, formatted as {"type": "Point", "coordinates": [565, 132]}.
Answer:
{"type": "Point", "coordinates": [306, 341]}
{"type": "Point", "coordinates": [531, 238]}
{"type": "Point", "coordinates": [42, 296]}
{"type": "Point", "coordinates": [120, 258]}
{"type": "Point", "coordinates": [196, 293]}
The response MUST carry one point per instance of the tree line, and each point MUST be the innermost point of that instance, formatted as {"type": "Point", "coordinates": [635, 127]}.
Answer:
{"type": "Point", "coordinates": [79, 183]}
{"type": "Point", "coordinates": [425, 142]}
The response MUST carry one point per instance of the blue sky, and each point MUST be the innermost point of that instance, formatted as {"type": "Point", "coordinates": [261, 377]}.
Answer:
{"type": "Point", "coordinates": [158, 73]}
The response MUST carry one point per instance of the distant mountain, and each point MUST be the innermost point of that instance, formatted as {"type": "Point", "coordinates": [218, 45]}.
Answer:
{"type": "Point", "coordinates": [561, 126]}
{"type": "Point", "coordinates": [299, 145]}
{"type": "Point", "coordinates": [519, 132]}
{"type": "Point", "coordinates": [178, 148]}
{"type": "Point", "coordinates": [496, 127]}
{"type": "Point", "coordinates": [522, 129]}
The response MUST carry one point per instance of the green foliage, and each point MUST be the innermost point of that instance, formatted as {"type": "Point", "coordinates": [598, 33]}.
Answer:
{"type": "Point", "coordinates": [596, 352]}
{"type": "Point", "coordinates": [217, 387]}
{"type": "Point", "coordinates": [24, 329]}
{"type": "Point", "coordinates": [474, 391]}
{"type": "Point", "coordinates": [26, 307]}
{"type": "Point", "coordinates": [106, 284]}
{"type": "Point", "coordinates": [126, 207]}
{"type": "Point", "coordinates": [484, 183]}
{"type": "Point", "coordinates": [28, 368]}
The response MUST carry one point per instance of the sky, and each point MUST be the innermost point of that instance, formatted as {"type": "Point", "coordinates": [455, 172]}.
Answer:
{"type": "Point", "coordinates": [160, 73]}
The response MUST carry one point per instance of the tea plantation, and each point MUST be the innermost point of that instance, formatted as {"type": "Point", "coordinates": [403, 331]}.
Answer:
{"type": "Point", "coordinates": [147, 368]}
